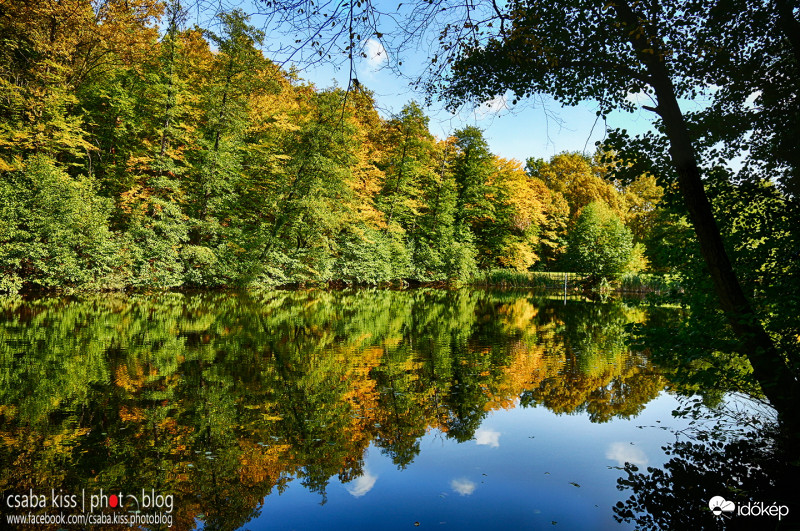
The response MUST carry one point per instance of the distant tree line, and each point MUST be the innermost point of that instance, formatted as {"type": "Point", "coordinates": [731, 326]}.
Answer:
{"type": "Point", "coordinates": [136, 152]}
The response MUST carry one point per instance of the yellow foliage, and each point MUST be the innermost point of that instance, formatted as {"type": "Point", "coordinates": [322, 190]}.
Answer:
{"type": "Point", "coordinates": [581, 182]}
{"type": "Point", "coordinates": [130, 414]}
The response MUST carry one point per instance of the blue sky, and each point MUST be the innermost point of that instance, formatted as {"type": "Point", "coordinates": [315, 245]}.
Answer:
{"type": "Point", "coordinates": [538, 127]}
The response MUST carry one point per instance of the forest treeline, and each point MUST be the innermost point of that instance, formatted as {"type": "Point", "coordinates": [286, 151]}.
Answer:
{"type": "Point", "coordinates": [138, 152]}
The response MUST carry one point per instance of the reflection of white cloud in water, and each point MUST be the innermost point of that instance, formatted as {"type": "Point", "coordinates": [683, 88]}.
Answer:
{"type": "Point", "coordinates": [362, 484]}
{"type": "Point", "coordinates": [625, 452]}
{"type": "Point", "coordinates": [463, 486]}
{"type": "Point", "coordinates": [487, 437]}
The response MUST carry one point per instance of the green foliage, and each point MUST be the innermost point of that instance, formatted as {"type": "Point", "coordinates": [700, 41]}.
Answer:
{"type": "Point", "coordinates": [368, 256]}
{"type": "Point", "coordinates": [54, 231]}
{"type": "Point", "coordinates": [155, 229]}
{"type": "Point", "coordinates": [200, 163]}
{"type": "Point", "coordinates": [599, 243]}
{"type": "Point", "coordinates": [649, 283]}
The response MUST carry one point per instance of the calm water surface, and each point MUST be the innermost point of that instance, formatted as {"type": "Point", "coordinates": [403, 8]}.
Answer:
{"type": "Point", "coordinates": [345, 410]}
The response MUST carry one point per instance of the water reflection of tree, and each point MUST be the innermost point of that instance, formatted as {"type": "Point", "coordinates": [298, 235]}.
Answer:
{"type": "Point", "coordinates": [719, 458]}
{"type": "Point", "coordinates": [222, 399]}
{"type": "Point", "coordinates": [600, 375]}
{"type": "Point", "coordinates": [698, 357]}
{"type": "Point", "coordinates": [740, 457]}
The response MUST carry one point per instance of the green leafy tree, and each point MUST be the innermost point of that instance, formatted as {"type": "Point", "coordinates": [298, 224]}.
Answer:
{"type": "Point", "coordinates": [472, 168]}
{"type": "Point", "coordinates": [599, 243]}
{"type": "Point", "coordinates": [409, 148]}
{"type": "Point", "coordinates": [54, 231]}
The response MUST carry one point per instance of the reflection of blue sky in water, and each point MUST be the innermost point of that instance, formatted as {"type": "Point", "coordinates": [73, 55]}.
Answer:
{"type": "Point", "coordinates": [526, 483]}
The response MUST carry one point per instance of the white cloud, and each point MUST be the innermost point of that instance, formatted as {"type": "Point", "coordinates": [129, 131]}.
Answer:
{"type": "Point", "coordinates": [492, 107]}
{"type": "Point", "coordinates": [626, 453]}
{"type": "Point", "coordinates": [362, 484]}
{"type": "Point", "coordinates": [486, 437]}
{"type": "Point", "coordinates": [376, 53]}
{"type": "Point", "coordinates": [638, 98]}
{"type": "Point", "coordinates": [463, 486]}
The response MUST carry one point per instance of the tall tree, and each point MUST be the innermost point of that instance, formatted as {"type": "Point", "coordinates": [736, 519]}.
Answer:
{"type": "Point", "coordinates": [520, 212]}
{"type": "Point", "coordinates": [231, 79]}
{"type": "Point", "coordinates": [585, 50]}
{"type": "Point", "coordinates": [472, 169]}
{"type": "Point", "coordinates": [408, 154]}
{"type": "Point", "coordinates": [599, 243]}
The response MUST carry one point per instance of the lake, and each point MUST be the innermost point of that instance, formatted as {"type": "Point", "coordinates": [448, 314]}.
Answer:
{"type": "Point", "coordinates": [368, 409]}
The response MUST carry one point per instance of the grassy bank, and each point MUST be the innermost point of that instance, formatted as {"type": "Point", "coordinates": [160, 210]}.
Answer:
{"type": "Point", "coordinates": [629, 283]}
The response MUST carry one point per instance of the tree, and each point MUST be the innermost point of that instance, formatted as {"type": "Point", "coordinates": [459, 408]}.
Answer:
{"type": "Point", "coordinates": [599, 243]}
{"type": "Point", "coordinates": [519, 214]}
{"type": "Point", "coordinates": [580, 180]}
{"type": "Point", "coordinates": [232, 78]}
{"type": "Point", "coordinates": [409, 149]}
{"type": "Point", "coordinates": [54, 231]}
{"type": "Point", "coordinates": [441, 249]}
{"type": "Point", "coordinates": [587, 51]}
{"type": "Point", "coordinates": [52, 49]}
{"type": "Point", "coordinates": [641, 199]}
{"type": "Point", "coordinates": [472, 170]}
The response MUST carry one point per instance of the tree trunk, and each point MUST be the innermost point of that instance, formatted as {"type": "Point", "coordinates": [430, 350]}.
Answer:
{"type": "Point", "coordinates": [769, 367]}
{"type": "Point", "coordinates": [790, 28]}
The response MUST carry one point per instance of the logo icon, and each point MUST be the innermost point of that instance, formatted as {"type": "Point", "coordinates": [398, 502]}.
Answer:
{"type": "Point", "coordinates": [720, 505]}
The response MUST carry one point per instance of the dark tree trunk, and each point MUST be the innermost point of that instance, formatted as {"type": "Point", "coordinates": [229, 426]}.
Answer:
{"type": "Point", "coordinates": [790, 28]}
{"type": "Point", "coordinates": [769, 367]}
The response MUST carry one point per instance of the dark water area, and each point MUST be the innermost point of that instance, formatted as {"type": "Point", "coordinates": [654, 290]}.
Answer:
{"type": "Point", "coordinates": [460, 409]}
